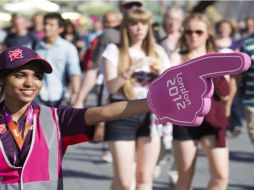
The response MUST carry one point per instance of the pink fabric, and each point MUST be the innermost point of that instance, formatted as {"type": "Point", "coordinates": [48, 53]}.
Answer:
{"type": "Point", "coordinates": [216, 117]}
{"type": "Point", "coordinates": [182, 94]}
{"type": "Point", "coordinates": [9, 175]}
{"type": "Point", "coordinates": [33, 164]}
{"type": "Point", "coordinates": [39, 160]}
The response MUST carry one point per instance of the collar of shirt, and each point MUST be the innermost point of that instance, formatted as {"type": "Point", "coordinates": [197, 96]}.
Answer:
{"type": "Point", "coordinates": [57, 43]}
{"type": "Point", "coordinates": [21, 119]}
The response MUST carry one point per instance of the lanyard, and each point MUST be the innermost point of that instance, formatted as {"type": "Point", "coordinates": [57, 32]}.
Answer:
{"type": "Point", "coordinates": [20, 135]}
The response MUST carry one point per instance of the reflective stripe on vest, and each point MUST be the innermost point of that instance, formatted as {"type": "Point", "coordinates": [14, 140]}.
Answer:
{"type": "Point", "coordinates": [34, 186]}
{"type": "Point", "coordinates": [43, 156]}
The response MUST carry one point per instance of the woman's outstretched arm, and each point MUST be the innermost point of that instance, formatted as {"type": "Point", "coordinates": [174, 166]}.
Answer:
{"type": "Point", "coordinates": [115, 110]}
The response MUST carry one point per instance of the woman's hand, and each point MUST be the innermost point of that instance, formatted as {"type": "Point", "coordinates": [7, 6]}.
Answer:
{"type": "Point", "coordinates": [153, 63]}
{"type": "Point", "coordinates": [128, 73]}
{"type": "Point", "coordinates": [155, 67]}
{"type": "Point", "coordinates": [99, 132]}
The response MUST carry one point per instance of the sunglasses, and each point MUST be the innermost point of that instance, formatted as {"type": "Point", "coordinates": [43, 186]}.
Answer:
{"type": "Point", "coordinates": [190, 32]}
{"type": "Point", "coordinates": [131, 5]}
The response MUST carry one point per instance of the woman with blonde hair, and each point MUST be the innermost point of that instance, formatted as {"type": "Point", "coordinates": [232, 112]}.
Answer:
{"type": "Point", "coordinates": [129, 69]}
{"type": "Point", "coordinates": [197, 40]}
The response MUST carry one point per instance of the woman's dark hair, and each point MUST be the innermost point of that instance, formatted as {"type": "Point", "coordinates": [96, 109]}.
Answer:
{"type": "Point", "coordinates": [69, 25]}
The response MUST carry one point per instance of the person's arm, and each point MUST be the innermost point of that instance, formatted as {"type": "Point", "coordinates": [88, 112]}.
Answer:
{"type": "Point", "coordinates": [88, 82]}
{"type": "Point", "coordinates": [232, 92]}
{"type": "Point", "coordinates": [175, 59]}
{"type": "Point", "coordinates": [114, 111]}
{"type": "Point", "coordinates": [115, 81]}
{"type": "Point", "coordinates": [164, 59]}
{"type": "Point", "coordinates": [73, 70]}
{"type": "Point", "coordinates": [99, 132]}
{"type": "Point", "coordinates": [75, 85]}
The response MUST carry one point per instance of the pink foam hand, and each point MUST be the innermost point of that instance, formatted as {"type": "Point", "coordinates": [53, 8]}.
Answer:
{"type": "Point", "coordinates": [182, 94]}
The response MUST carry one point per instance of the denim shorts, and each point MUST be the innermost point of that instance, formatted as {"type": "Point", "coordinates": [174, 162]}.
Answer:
{"type": "Point", "coordinates": [129, 128]}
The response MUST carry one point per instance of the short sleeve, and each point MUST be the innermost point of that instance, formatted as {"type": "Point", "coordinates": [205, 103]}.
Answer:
{"type": "Point", "coordinates": [72, 123]}
{"type": "Point", "coordinates": [111, 53]}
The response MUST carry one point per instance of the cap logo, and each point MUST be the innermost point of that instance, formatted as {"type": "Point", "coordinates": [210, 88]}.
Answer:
{"type": "Point", "coordinates": [2, 128]}
{"type": "Point", "coordinates": [15, 54]}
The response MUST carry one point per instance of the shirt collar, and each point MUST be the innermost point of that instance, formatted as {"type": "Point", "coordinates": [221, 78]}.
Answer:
{"type": "Point", "coordinates": [57, 43]}
{"type": "Point", "coordinates": [2, 112]}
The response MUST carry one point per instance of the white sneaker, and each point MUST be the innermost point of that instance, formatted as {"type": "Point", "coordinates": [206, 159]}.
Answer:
{"type": "Point", "coordinates": [107, 157]}
{"type": "Point", "coordinates": [173, 176]}
{"type": "Point", "coordinates": [157, 171]}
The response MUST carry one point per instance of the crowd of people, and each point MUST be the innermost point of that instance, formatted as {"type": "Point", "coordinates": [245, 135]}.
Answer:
{"type": "Point", "coordinates": [120, 56]}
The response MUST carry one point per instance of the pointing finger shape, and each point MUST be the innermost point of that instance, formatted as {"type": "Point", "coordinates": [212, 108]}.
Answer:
{"type": "Point", "coordinates": [182, 94]}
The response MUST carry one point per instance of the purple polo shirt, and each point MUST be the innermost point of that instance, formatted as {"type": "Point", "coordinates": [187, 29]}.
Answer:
{"type": "Point", "coordinates": [71, 122]}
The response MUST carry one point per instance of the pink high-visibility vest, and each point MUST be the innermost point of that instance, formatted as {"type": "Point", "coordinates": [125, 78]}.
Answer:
{"type": "Point", "coordinates": [42, 168]}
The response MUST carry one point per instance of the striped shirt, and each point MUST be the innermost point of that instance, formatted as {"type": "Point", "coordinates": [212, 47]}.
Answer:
{"type": "Point", "coordinates": [248, 76]}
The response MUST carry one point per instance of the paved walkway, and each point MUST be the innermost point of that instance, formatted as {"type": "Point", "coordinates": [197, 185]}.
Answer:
{"type": "Point", "coordinates": [83, 169]}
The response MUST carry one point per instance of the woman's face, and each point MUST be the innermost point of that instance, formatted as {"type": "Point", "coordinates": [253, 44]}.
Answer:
{"type": "Point", "coordinates": [225, 29]}
{"type": "Point", "coordinates": [23, 85]}
{"type": "Point", "coordinates": [196, 34]}
{"type": "Point", "coordinates": [137, 31]}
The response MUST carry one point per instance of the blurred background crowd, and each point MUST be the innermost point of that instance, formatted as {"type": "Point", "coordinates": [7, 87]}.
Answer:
{"type": "Point", "coordinates": [86, 16]}
{"type": "Point", "coordinates": [78, 33]}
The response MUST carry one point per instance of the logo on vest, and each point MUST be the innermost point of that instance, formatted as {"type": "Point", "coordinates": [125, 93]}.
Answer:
{"type": "Point", "coordinates": [2, 128]}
